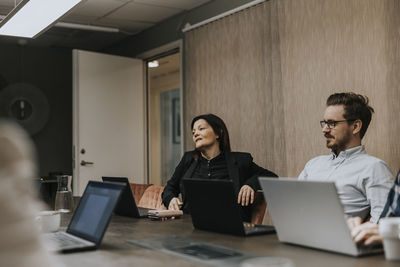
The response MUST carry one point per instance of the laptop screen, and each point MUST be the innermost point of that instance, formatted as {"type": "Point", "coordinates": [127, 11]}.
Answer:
{"type": "Point", "coordinates": [94, 212]}
{"type": "Point", "coordinates": [115, 179]}
{"type": "Point", "coordinates": [127, 204]}
{"type": "Point", "coordinates": [213, 205]}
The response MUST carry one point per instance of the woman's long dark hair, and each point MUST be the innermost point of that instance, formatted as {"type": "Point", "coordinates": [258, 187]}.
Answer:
{"type": "Point", "coordinates": [219, 128]}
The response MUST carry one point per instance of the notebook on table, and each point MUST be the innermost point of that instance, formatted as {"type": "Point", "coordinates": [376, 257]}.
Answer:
{"type": "Point", "coordinates": [213, 207]}
{"type": "Point", "coordinates": [90, 220]}
{"type": "Point", "coordinates": [126, 205]}
{"type": "Point", "coordinates": [310, 213]}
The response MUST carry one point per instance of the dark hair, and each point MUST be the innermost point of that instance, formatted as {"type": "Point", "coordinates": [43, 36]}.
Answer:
{"type": "Point", "coordinates": [219, 128]}
{"type": "Point", "coordinates": [355, 108]}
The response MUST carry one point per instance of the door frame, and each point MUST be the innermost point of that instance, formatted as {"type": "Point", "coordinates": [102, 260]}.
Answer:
{"type": "Point", "coordinates": [75, 120]}
{"type": "Point", "coordinates": [75, 116]}
{"type": "Point", "coordinates": [146, 56]}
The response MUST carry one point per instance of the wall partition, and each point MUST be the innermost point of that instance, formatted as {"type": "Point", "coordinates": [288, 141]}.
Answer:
{"type": "Point", "coordinates": [267, 71]}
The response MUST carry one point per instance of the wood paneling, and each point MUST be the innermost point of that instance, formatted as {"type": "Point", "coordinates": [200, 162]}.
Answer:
{"type": "Point", "coordinates": [268, 70]}
{"type": "Point", "coordinates": [233, 71]}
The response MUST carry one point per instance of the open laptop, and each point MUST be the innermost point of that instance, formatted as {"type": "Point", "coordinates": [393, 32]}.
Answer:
{"type": "Point", "coordinates": [310, 214]}
{"type": "Point", "coordinates": [90, 220]}
{"type": "Point", "coordinates": [126, 205]}
{"type": "Point", "coordinates": [213, 207]}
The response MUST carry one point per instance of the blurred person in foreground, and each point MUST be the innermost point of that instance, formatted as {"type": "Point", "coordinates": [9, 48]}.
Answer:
{"type": "Point", "coordinates": [20, 243]}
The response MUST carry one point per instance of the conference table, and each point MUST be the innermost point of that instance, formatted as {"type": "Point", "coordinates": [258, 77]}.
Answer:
{"type": "Point", "coordinates": [116, 251]}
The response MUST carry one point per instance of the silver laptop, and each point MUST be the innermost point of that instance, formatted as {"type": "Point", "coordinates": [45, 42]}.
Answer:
{"type": "Point", "coordinates": [310, 214]}
{"type": "Point", "coordinates": [90, 220]}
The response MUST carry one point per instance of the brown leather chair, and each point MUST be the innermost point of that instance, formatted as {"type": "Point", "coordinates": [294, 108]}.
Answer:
{"type": "Point", "coordinates": [138, 190]}
{"type": "Point", "coordinates": [259, 207]}
{"type": "Point", "coordinates": [151, 198]}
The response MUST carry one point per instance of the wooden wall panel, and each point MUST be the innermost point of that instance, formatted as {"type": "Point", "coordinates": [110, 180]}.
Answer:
{"type": "Point", "coordinates": [335, 46]}
{"type": "Point", "coordinates": [232, 69]}
{"type": "Point", "coordinates": [268, 70]}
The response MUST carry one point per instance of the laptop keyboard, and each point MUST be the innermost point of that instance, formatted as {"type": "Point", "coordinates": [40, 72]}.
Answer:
{"type": "Point", "coordinates": [374, 248]}
{"type": "Point", "coordinates": [143, 211]}
{"type": "Point", "coordinates": [258, 228]}
{"type": "Point", "coordinates": [62, 240]}
{"type": "Point", "coordinates": [65, 240]}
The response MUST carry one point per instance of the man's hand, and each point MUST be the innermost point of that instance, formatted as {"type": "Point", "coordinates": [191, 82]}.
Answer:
{"type": "Point", "coordinates": [246, 195]}
{"type": "Point", "coordinates": [175, 204]}
{"type": "Point", "coordinates": [353, 222]}
{"type": "Point", "coordinates": [367, 232]}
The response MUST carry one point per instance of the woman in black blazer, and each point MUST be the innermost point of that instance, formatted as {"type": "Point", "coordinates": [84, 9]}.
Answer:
{"type": "Point", "coordinates": [213, 159]}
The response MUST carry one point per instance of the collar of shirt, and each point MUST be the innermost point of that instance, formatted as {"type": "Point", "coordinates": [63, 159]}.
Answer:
{"type": "Point", "coordinates": [354, 151]}
{"type": "Point", "coordinates": [218, 158]}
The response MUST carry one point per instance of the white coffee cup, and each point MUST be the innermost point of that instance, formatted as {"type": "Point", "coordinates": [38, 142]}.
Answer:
{"type": "Point", "coordinates": [389, 229]}
{"type": "Point", "coordinates": [48, 220]}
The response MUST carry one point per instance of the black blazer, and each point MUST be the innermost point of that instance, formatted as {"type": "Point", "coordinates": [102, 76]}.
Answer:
{"type": "Point", "coordinates": [241, 169]}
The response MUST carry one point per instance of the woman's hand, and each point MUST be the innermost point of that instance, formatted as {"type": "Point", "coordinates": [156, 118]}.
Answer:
{"type": "Point", "coordinates": [175, 204]}
{"type": "Point", "coordinates": [246, 195]}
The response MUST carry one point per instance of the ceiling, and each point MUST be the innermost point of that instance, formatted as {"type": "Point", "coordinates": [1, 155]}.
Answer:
{"type": "Point", "coordinates": [128, 16]}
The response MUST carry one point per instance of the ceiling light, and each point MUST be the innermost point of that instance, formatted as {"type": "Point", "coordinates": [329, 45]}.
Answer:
{"type": "Point", "coordinates": [86, 27]}
{"type": "Point", "coordinates": [30, 18]}
{"type": "Point", "coordinates": [153, 64]}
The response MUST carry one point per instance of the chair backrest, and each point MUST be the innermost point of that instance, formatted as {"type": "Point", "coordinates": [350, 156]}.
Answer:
{"type": "Point", "coordinates": [151, 198]}
{"type": "Point", "coordinates": [259, 207]}
{"type": "Point", "coordinates": [138, 190]}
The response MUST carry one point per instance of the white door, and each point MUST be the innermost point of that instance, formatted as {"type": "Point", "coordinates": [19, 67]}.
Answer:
{"type": "Point", "coordinates": [109, 118]}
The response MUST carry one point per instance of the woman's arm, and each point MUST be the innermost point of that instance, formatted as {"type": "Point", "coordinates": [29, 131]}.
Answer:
{"type": "Point", "coordinates": [256, 171]}
{"type": "Point", "coordinates": [250, 184]}
{"type": "Point", "coordinates": [172, 189]}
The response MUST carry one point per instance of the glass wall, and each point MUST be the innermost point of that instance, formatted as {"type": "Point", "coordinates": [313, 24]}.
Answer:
{"type": "Point", "coordinates": [164, 136]}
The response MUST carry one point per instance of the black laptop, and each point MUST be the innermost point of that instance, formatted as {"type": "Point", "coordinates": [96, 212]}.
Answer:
{"type": "Point", "coordinates": [213, 207]}
{"type": "Point", "coordinates": [126, 205]}
{"type": "Point", "coordinates": [90, 220]}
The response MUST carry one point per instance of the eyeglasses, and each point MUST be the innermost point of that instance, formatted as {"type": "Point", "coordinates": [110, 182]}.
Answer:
{"type": "Point", "coordinates": [331, 124]}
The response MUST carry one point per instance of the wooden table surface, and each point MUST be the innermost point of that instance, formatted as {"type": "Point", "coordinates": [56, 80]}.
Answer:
{"type": "Point", "coordinates": [116, 251]}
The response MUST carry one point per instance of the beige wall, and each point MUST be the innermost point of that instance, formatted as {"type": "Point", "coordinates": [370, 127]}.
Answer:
{"type": "Point", "coordinates": [268, 70]}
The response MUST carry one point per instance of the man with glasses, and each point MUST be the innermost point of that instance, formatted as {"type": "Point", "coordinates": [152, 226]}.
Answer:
{"type": "Point", "coordinates": [363, 181]}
